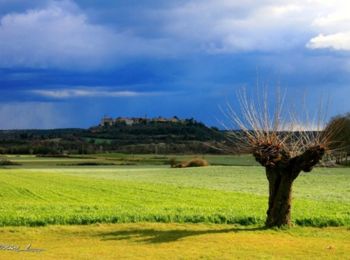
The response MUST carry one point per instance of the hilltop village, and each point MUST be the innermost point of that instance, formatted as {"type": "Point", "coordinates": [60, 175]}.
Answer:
{"type": "Point", "coordinates": [129, 121]}
{"type": "Point", "coordinates": [118, 135]}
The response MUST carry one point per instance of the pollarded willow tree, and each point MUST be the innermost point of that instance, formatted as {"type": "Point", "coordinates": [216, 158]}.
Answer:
{"type": "Point", "coordinates": [283, 142]}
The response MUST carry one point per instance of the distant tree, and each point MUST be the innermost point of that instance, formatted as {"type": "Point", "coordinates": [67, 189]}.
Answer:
{"type": "Point", "coordinates": [341, 139]}
{"type": "Point", "coordinates": [279, 143]}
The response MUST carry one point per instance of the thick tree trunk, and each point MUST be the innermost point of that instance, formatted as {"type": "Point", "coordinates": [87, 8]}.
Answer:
{"type": "Point", "coordinates": [280, 197]}
{"type": "Point", "coordinates": [281, 171]}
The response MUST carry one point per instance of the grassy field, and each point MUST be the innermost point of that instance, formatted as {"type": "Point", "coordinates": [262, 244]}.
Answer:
{"type": "Point", "coordinates": [43, 199]}
{"type": "Point", "coordinates": [217, 194]}
{"type": "Point", "coordinates": [175, 241]}
{"type": "Point", "coordinates": [117, 159]}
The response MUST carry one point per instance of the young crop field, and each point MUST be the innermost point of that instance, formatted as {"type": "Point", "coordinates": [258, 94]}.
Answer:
{"type": "Point", "coordinates": [140, 208]}
{"type": "Point", "coordinates": [216, 194]}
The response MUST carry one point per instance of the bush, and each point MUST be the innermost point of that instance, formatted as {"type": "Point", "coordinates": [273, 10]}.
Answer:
{"type": "Point", "coordinates": [5, 162]}
{"type": "Point", "coordinates": [197, 162]}
{"type": "Point", "coordinates": [173, 162]}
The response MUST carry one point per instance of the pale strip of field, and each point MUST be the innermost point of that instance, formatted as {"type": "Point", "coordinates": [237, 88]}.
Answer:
{"type": "Point", "coordinates": [47, 160]}
{"type": "Point", "coordinates": [175, 241]}
{"type": "Point", "coordinates": [325, 184]}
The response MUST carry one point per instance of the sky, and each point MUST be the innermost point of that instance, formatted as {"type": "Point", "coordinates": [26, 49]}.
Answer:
{"type": "Point", "coordinates": [68, 63]}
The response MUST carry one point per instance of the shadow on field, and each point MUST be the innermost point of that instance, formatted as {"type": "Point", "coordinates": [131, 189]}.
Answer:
{"type": "Point", "coordinates": [164, 236]}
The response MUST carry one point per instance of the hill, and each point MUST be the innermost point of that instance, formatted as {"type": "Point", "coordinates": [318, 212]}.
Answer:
{"type": "Point", "coordinates": [130, 135]}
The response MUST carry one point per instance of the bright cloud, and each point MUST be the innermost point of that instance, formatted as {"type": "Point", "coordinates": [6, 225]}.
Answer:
{"type": "Point", "coordinates": [56, 36]}
{"type": "Point", "coordinates": [333, 27]}
{"type": "Point", "coordinates": [231, 26]}
{"type": "Point", "coordinates": [82, 92]}
{"type": "Point", "coordinates": [224, 26]}
{"type": "Point", "coordinates": [60, 35]}
{"type": "Point", "coordinates": [338, 41]}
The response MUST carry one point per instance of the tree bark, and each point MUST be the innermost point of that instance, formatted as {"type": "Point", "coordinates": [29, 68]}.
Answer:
{"type": "Point", "coordinates": [281, 171]}
{"type": "Point", "coordinates": [280, 197]}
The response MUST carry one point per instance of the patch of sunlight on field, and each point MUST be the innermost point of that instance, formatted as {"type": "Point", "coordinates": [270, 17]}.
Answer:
{"type": "Point", "coordinates": [220, 195]}
{"type": "Point", "coordinates": [175, 241]}
{"type": "Point", "coordinates": [326, 184]}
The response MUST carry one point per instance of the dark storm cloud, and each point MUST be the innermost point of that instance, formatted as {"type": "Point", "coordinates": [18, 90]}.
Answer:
{"type": "Point", "coordinates": [82, 59]}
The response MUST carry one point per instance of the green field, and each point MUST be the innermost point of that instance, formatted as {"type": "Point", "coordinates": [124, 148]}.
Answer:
{"type": "Point", "coordinates": [117, 159]}
{"type": "Point", "coordinates": [38, 194]}
{"type": "Point", "coordinates": [140, 208]}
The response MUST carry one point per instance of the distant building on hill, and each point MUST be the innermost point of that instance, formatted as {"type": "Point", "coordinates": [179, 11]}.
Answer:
{"type": "Point", "coordinates": [108, 121]}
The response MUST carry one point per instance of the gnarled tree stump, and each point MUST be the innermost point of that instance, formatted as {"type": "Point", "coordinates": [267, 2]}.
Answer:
{"type": "Point", "coordinates": [281, 171]}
